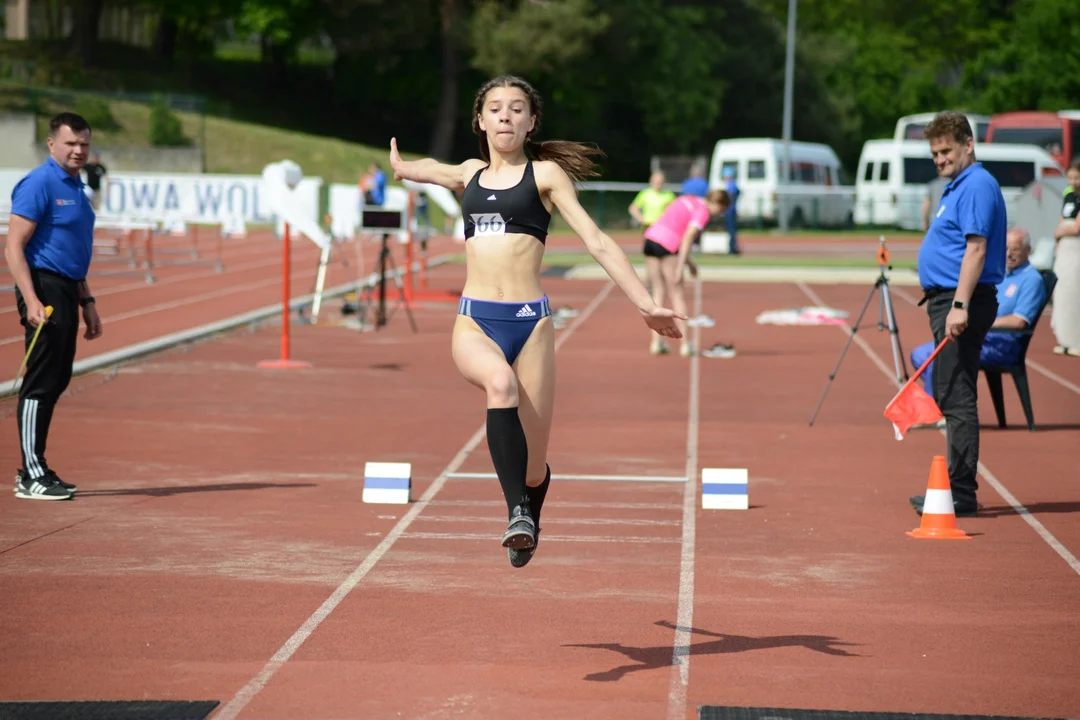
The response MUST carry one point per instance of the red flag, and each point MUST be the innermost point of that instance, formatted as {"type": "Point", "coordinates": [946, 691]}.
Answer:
{"type": "Point", "coordinates": [912, 405]}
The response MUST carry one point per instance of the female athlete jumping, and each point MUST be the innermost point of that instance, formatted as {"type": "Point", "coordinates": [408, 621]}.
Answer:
{"type": "Point", "coordinates": [503, 339]}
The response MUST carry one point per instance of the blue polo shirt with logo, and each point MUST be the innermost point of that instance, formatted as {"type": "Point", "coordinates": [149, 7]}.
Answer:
{"type": "Point", "coordinates": [64, 237]}
{"type": "Point", "coordinates": [972, 204]}
{"type": "Point", "coordinates": [1022, 292]}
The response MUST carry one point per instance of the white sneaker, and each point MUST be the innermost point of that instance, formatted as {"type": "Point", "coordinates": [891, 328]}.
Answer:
{"type": "Point", "coordinates": [719, 350]}
{"type": "Point", "coordinates": [701, 321]}
{"type": "Point", "coordinates": [659, 348]}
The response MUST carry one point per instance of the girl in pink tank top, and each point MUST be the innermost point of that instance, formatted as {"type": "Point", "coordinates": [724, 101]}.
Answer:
{"type": "Point", "coordinates": [667, 251]}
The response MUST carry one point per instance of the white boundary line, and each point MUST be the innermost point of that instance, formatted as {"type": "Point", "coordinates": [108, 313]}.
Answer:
{"type": "Point", "coordinates": [680, 659]}
{"type": "Point", "coordinates": [615, 539]}
{"type": "Point", "coordinates": [247, 693]}
{"type": "Point", "coordinates": [1052, 375]}
{"type": "Point", "coordinates": [584, 478]}
{"type": "Point", "coordinates": [1003, 491]}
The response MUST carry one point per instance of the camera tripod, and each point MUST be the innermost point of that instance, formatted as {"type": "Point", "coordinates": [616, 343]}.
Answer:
{"type": "Point", "coordinates": [886, 319]}
{"type": "Point", "coordinates": [386, 263]}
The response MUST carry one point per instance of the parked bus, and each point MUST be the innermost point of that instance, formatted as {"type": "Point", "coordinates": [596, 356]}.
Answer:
{"type": "Point", "coordinates": [1056, 133]}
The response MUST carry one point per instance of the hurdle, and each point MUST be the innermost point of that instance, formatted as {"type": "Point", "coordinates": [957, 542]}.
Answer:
{"type": "Point", "coordinates": [285, 362]}
{"type": "Point", "coordinates": [126, 229]}
{"type": "Point", "coordinates": [179, 226]}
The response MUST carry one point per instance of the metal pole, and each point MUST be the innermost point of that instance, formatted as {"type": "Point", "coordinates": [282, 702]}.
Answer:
{"type": "Point", "coordinates": [789, 82]}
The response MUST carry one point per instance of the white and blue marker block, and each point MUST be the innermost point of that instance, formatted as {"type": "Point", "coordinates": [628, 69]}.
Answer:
{"type": "Point", "coordinates": [725, 489]}
{"type": "Point", "coordinates": [388, 483]}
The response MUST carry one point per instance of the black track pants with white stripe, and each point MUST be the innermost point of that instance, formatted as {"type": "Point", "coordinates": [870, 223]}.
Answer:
{"type": "Point", "coordinates": [48, 371]}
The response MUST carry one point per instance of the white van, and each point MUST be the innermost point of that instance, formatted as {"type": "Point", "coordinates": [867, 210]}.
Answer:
{"type": "Point", "coordinates": [894, 176]}
{"type": "Point", "coordinates": [912, 127]}
{"type": "Point", "coordinates": [816, 194]}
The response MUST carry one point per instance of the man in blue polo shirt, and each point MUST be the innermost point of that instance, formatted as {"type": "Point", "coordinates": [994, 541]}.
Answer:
{"type": "Point", "coordinates": [1019, 296]}
{"type": "Point", "coordinates": [961, 261]}
{"type": "Point", "coordinates": [49, 243]}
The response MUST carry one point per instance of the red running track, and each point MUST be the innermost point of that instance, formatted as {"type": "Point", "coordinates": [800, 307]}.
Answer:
{"type": "Point", "coordinates": [219, 547]}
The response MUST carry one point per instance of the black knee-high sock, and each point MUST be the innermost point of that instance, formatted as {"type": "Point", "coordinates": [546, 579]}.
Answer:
{"type": "Point", "coordinates": [537, 495]}
{"type": "Point", "coordinates": [509, 454]}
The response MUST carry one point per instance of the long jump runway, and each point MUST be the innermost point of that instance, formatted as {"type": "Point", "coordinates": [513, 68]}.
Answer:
{"type": "Point", "coordinates": [219, 549]}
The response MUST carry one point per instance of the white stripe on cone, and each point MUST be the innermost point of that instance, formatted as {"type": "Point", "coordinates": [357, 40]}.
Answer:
{"type": "Point", "coordinates": [938, 502]}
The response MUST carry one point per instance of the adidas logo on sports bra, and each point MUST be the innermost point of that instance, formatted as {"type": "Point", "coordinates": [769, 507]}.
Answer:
{"type": "Point", "coordinates": [526, 311]}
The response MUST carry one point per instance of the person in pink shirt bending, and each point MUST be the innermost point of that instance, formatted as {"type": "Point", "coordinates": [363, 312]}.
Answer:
{"type": "Point", "coordinates": [667, 251]}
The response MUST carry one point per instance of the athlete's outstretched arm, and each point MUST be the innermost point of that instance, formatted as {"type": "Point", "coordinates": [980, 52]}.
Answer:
{"type": "Point", "coordinates": [432, 171]}
{"type": "Point", "coordinates": [606, 252]}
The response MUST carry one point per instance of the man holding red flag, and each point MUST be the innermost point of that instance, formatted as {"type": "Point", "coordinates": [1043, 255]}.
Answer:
{"type": "Point", "coordinates": [961, 261]}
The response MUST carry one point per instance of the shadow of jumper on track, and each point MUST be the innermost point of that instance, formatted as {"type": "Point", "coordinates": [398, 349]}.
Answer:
{"type": "Point", "coordinates": [654, 658]}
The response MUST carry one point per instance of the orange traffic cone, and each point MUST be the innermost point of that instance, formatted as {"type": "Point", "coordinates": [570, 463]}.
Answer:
{"type": "Point", "coordinates": [938, 515]}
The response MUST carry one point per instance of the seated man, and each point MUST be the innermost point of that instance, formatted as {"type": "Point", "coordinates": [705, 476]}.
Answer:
{"type": "Point", "coordinates": [1019, 296]}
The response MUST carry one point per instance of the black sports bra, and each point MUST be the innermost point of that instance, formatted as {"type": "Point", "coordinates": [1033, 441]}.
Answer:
{"type": "Point", "coordinates": [516, 209]}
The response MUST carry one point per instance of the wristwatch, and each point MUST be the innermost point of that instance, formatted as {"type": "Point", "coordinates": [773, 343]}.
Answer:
{"type": "Point", "coordinates": [959, 305]}
{"type": "Point", "coordinates": [83, 302]}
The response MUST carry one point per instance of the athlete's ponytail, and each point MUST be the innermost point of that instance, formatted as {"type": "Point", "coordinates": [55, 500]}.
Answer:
{"type": "Point", "coordinates": [572, 157]}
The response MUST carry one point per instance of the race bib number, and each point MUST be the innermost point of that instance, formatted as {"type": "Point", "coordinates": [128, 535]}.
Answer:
{"type": "Point", "coordinates": [488, 224]}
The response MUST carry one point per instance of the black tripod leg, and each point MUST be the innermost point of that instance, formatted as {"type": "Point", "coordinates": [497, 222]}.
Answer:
{"type": "Point", "coordinates": [899, 364]}
{"type": "Point", "coordinates": [851, 336]}
{"type": "Point", "coordinates": [401, 290]}
{"type": "Point", "coordinates": [384, 253]}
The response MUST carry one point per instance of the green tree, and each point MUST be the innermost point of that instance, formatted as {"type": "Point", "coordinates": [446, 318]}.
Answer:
{"type": "Point", "coordinates": [533, 37]}
{"type": "Point", "coordinates": [1036, 66]}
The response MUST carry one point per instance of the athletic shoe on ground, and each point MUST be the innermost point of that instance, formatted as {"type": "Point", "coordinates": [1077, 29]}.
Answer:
{"type": "Point", "coordinates": [42, 488]}
{"type": "Point", "coordinates": [66, 485]}
{"type": "Point", "coordinates": [719, 350]}
{"type": "Point", "coordinates": [521, 558]}
{"type": "Point", "coordinates": [659, 348]}
{"type": "Point", "coordinates": [704, 321]}
{"type": "Point", "coordinates": [21, 477]}
{"type": "Point", "coordinates": [521, 534]}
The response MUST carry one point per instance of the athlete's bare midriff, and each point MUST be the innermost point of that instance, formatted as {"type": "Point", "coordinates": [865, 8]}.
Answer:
{"type": "Point", "coordinates": [503, 268]}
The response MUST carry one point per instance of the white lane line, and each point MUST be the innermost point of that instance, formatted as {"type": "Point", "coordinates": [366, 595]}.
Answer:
{"type": "Point", "coordinates": [680, 674]}
{"type": "Point", "coordinates": [582, 478]}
